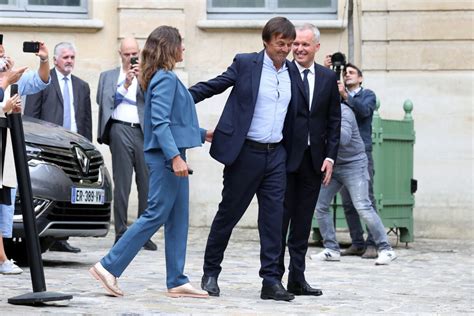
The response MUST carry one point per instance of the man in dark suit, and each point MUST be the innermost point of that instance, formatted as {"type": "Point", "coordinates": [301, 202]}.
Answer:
{"type": "Point", "coordinates": [247, 140]}
{"type": "Point", "coordinates": [66, 102]}
{"type": "Point", "coordinates": [314, 139]}
{"type": "Point", "coordinates": [121, 108]}
{"type": "Point", "coordinates": [71, 107]}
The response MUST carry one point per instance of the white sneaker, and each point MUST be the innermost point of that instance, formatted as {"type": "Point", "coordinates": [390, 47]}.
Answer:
{"type": "Point", "coordinates": [9, 267]}
{"type": "Point", "coordinates": [327, 255]}
{"type": "Point", "coordinates": [385, 257]}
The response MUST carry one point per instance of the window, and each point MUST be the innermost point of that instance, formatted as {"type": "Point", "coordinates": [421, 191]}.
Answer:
{"type": "Point", "coordinates": [263, 9]}
{"type": "Point", "coordinates": [44, 8]}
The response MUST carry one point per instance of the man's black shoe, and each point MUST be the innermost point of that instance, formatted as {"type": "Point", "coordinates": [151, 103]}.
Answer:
{"type": "Point", "coordinates": [209, 284]}
{"type": "Point", "coordinates": [63, 246]}
{"type": "Point", "coordinates": [298, 288]}
{"type": "Point", "coordinates": [150, 245]}
{"type": "Point", "coordinates": [275, 292]}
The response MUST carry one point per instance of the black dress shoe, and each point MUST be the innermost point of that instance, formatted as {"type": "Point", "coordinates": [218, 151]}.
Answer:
{"type": "Point", "coordinates": [298, 288]}
{"type": "Point", "coordinates": [209, 284]}
{"type": "Point", "coordinates": [150, 245]}
{"type": "Point", "coordinates": [275, 292]}
{"type": "Point", "coordinates": [63, 246]}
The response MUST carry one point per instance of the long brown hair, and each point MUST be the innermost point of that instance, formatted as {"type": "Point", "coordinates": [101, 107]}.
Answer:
{"type": "Point", "coordinates": [160, 52]}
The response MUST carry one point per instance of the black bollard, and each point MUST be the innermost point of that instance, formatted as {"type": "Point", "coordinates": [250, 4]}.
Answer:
{"type": "Point", "coordinates": [39, 294]}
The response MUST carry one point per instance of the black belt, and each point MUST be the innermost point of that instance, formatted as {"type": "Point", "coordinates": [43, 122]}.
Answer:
{"type": "Point", "coordinates": [261, 146]}
{"type": "Point", "coordinates": [137, 125]}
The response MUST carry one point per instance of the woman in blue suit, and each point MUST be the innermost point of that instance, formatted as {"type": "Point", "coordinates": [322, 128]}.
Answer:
{"type": "Point", "coordinates": [171, 127]}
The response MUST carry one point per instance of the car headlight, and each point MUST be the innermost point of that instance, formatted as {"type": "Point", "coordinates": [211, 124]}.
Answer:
{"type": "Point", "coordinates": [39, 205]}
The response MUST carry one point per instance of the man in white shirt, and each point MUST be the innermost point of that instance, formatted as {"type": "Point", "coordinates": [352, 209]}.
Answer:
{"type": "Point", "coordinates": [121, 108]}
{"type": "Point", "coordinates": [66, 102]}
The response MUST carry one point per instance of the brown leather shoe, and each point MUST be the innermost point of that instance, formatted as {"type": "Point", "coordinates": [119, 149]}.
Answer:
{"type": "Point", "coordinates": [370, 253]}
{"type": "Point", "coordinates": [109, 282]}
{"type": "Point", "coordinates": [353, 251]}
{"type": "Point", "coordinates": [186, 290]}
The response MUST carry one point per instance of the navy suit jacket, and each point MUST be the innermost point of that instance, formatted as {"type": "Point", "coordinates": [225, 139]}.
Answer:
{"type": "Point", "coordinates": [231, 130]}
{"type": "Point", "coordinates": [322, 123]}
{"type": "Point", "coordinates": [47, 105]}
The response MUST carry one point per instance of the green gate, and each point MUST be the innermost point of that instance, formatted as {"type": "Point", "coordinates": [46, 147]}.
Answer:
{"type": "Point", "coordinates": [394, 186]}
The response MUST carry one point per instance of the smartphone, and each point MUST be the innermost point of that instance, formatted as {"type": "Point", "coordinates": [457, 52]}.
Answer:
{"type": "Point", "coordinates": [1, 39]}
{"type": "Point", "coordinates": [13, 89]}
{"type": "Point", "coordinates": [190, 171]}
{"type": "Point", "coordinates": [134, 60]}
{"type": "Point", "coordinates": [31, 47]}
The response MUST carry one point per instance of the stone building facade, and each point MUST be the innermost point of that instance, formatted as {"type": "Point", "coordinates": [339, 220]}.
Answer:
{"type": "Point", "coordinates": [409, 49]}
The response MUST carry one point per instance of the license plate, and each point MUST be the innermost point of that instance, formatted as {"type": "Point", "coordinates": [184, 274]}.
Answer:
{"type": "Point", "coordinates": [87, 196]}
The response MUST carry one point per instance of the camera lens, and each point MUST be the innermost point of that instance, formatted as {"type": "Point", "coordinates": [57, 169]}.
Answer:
{"type": "Point", "coordinates": [338, 59]}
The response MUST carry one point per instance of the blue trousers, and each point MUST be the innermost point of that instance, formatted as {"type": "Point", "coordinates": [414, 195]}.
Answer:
{"type": "Point", "coordinates": [168, 205]}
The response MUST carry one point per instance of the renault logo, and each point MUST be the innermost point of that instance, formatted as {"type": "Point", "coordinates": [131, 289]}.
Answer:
{"type": "Point", "coordinates": [83, 160]}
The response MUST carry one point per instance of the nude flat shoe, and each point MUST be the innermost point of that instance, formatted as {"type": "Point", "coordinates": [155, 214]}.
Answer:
{"type": "Point", "coordinates": [186, 290]}
{"type": "Point", "coordinates": [109, 282]}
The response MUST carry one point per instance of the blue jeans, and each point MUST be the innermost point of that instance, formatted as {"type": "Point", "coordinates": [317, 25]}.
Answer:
{"type": "Point", "coordinates": [168, 205]}
{"type": "Point", "coordinates": [352, 217]}
{"type": "Point", "coordinates": [6, 216]}
{"type": "Point", "coordinates": [354, 176]}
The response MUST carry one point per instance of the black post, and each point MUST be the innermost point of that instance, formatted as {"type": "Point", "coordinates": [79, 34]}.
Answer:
{"type": "Point", "coordinates": [35, 262]}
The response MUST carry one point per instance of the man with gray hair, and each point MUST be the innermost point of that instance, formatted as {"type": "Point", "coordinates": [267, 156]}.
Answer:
{"type": "Point", "coordinates": [315, 140]}
{"type": "Point", "coordinates": [66, 102]}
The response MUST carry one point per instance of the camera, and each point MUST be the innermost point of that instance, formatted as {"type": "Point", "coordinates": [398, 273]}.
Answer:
{"type": "Point", "coordinates": [134, 60]}
{"type": "Point", "coordinates": [31, 47]}
{"type": "Point", "coordinates": [338, 61]}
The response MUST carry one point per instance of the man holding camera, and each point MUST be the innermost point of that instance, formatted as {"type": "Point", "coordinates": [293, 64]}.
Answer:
{"type": "Point", "coordinates": [29, 82]}
{"type": "Point", "coordinates": [362, 102]}
{"type": "Point", "coordinates": [121, 116]}
{"type": "Point", "coordinates": [351, 173]}
{"type": "Point", "coordinates": [314, 139]}
{"type": "Point", "coordinates": [65, 102]}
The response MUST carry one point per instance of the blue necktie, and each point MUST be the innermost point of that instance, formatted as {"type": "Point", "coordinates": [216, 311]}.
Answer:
{"type": "Point", "coordinates": [66, 105]}
{"type": "Point", "coordinates": [306, 84]}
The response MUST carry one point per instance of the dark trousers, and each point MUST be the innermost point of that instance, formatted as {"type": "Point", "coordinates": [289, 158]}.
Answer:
{"type": "Point", "coordinates": [352, 217]}
{"type": "Point", "coordinates": [126, 147]}
{"type": "Point", "coordinates": [301, 195]}
{"type": "Point", "coordinates": [260, 172]}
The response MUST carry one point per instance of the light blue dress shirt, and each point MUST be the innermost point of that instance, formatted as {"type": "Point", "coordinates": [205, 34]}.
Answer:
{"type": "Point", "coordinates": [274, 95]}
{"type": "Point", "coordinates": [30, 83]}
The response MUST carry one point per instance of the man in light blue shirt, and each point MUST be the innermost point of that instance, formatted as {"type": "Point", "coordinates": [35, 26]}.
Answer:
{"type": "Point", "coordinates": [247, 140]}
{"type": "Point", "coordinates": [30, 82]}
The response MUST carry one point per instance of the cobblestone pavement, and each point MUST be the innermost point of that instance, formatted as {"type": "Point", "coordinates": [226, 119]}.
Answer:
{"type": "Point", "coordinates": [430, 277]}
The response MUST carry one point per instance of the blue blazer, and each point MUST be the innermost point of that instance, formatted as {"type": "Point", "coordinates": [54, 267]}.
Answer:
{"type": "Point", "coordinates": [171, 121]}
{"type": "Point", "coordinates": [231, 130]}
